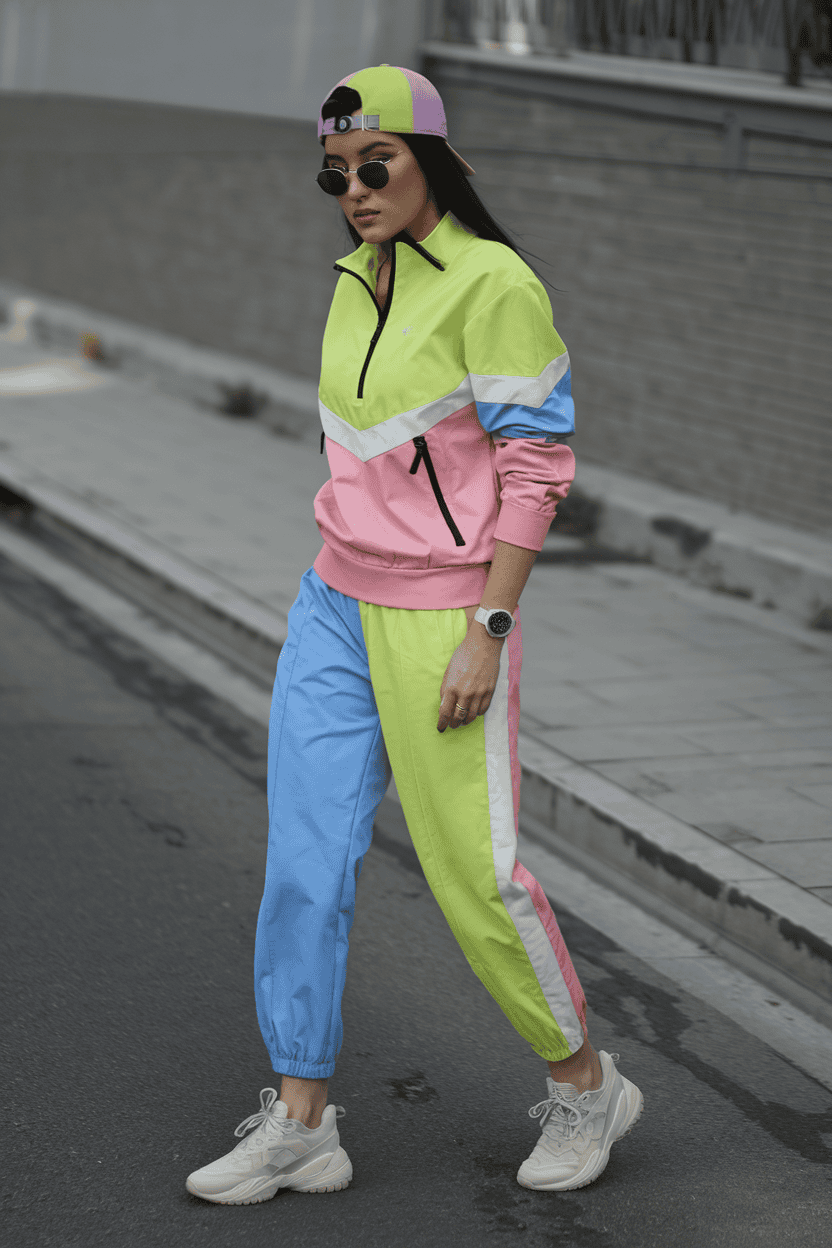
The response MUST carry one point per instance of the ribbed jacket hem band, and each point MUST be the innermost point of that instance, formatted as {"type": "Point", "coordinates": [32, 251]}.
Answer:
{"type": "Point", "coordinates": [426, 589]}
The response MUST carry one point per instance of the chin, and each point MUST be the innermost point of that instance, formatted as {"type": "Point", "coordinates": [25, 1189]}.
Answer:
{"type": "Point", "coordinates": [369, 227]}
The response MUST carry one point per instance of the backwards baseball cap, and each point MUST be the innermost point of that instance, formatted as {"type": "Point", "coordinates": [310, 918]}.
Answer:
{"type": "Point", "coordinates": [394, 99]}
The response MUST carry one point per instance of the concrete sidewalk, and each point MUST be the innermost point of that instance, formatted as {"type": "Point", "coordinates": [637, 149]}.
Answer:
{"type": "Point", "coordinates": [676, 743]}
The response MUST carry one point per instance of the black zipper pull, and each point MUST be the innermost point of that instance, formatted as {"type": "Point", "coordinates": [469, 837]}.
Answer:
{"type": "Point", "coordinates": [419, 443]}
{"type": "Point", "coordinates": [323, 435]}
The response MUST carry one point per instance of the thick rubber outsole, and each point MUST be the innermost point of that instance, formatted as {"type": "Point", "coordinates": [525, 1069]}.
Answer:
{"type": "Point", "coordinates": [335, 1176]}
{"type": "Point", "coordinates": [635, 1108]}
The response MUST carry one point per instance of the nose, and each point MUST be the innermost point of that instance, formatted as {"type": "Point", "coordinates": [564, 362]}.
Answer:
{"type": "Point", "coordinates": [355, 187]}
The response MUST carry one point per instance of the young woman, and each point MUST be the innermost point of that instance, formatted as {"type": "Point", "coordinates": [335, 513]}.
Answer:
{"type": "Point", "coordinates": [445, 403]}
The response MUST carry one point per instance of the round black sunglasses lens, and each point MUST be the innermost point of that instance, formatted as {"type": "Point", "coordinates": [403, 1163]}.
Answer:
{"type": "Point", "coordinates": [373, 174]}
{"type": "Point", "coordinates": [332, 181]}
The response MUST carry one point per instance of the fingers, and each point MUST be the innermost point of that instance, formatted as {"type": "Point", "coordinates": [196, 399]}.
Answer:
{"type": "Point", "coordinates": [480, 706]}
{"type": "Point", "coordinates": [449, 714]}
{"type": "Point", "coordinates": [453, 711]}
{"type": "Point", "coordinates": [456, 711]}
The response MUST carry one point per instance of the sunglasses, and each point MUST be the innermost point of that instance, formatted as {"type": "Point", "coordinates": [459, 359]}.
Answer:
{"type": "Point", "coordinates": [373, 173]}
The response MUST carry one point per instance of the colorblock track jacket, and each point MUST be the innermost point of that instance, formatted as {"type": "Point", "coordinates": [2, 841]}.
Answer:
{"type": "Point", "coordinates": [444, 416]}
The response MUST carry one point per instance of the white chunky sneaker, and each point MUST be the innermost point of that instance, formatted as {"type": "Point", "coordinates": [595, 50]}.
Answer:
{"type": "Point", "coordinates": [579, 1131]}
{"type": "Point", "coordinates": [280, 1152]}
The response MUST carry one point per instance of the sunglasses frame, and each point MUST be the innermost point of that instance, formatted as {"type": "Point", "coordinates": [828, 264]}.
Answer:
{"type": "Point", "coordinates": [377, 160]}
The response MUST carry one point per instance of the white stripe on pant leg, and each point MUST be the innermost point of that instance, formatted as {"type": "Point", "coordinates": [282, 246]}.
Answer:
{"type": "Point", "coordinates": [515, 897]}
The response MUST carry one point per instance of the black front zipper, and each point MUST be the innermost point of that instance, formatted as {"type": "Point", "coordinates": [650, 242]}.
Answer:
{"type": "Point", "coordinates": [422, 453]}
{"type": "Point", "coordinates": [382, 314]}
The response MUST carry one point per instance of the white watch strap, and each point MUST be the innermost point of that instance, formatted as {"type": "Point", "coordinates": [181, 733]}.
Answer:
{"type": "Point", "coordinates": [482, 615]}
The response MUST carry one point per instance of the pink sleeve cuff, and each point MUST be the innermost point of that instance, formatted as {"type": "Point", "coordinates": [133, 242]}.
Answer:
{"type": "Point", "coordinates": [521, 527]}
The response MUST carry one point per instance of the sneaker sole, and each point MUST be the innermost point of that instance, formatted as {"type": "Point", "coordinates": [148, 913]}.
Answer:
{"type": "Point", "coordinates": [634, 1109]}
{"type": "Point", "coordinates": [334, 1177]}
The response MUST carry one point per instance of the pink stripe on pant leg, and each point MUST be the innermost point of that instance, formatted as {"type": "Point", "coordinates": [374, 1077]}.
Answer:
{"type": "Point", "coordinates": [520, 875]}
{"type": "Point", "coordinates": [514, 645]}
{"type": "Point", "coordinates": [546, 915]}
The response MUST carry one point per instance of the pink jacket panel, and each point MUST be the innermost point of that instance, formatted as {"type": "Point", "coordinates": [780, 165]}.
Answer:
{"type": "Point", "coordinates": [386, 538]}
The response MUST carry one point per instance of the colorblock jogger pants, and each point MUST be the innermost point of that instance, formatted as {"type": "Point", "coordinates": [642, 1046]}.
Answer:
{"type": "Point", "coordinates": [356, 694]}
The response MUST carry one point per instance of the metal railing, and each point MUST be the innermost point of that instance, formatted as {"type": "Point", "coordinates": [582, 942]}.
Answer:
{"type": "Point", "coordinates": [791, 37]}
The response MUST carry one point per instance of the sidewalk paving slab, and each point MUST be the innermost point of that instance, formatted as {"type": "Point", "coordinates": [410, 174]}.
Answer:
{"type": "Point", "coordinates": [653, 741]}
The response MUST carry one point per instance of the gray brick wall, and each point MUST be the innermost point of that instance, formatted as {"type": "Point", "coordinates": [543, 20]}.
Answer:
{"type": "Point", "coordinates": [694, 299]}
{"type": "Point", "coordinates": [206, 225]}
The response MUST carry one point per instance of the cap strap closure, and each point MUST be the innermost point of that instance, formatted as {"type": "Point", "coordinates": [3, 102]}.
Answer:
{"type": "Point", "coordinates": [342, 125]}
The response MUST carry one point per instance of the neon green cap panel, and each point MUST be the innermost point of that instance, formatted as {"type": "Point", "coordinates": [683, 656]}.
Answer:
{"type": "Point", "coordinates": [385, 92]}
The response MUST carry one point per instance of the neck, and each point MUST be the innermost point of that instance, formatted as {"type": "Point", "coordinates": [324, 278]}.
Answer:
{"type": "Point", "coordinates": [419, 228]}
{"type": "Point", "coordinates": [425, 222]}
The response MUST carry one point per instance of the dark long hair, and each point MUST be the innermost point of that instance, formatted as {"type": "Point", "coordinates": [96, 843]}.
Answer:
{"type": "Point", "coordinates": [447, 183]}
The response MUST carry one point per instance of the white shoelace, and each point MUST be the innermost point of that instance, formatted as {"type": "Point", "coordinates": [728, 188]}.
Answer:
{"type": "Point", "coordinates": [269, 1121]}
{"type": "Point", "coordinates": [563, 1113]}
{"type": "Point", "coordinates": [265, 1118]}
{"type": "Point", "coordinates": [569, 1115]}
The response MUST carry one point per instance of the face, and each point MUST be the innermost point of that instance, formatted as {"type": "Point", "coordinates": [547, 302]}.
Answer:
{"type": "Point", "coordinates": [404, 203]}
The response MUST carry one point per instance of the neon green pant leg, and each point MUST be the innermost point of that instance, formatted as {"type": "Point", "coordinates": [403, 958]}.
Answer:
{"type": "Point", "coordinates": [456, 793]}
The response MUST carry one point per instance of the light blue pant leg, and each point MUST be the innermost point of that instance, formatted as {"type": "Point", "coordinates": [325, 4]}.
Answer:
{"type": "Point", "coordinates": [328, 771]}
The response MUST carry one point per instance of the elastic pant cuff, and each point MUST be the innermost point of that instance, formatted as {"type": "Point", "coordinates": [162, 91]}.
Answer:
{"type": "Point", "coordinates": [303, 1070]}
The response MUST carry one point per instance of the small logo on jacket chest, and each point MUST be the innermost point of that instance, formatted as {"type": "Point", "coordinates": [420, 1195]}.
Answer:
{"type": "Point", "coordinates": [408, 329]}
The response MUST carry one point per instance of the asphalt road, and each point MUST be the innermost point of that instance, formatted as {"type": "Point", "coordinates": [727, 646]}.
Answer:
{"type": "Point", "coordinates": [133, 845]}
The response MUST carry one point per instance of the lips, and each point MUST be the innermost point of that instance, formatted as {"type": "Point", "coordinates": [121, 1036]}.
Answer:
{"type": "Point", "coordinates": [365, 216]}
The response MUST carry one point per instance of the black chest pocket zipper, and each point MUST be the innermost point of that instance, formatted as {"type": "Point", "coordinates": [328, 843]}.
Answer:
{"type": "Point", "coordinates": [422, 453]}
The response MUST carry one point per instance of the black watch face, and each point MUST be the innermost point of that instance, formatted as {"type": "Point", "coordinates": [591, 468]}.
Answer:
{"type": "Point", "coordinates": [500, 623]}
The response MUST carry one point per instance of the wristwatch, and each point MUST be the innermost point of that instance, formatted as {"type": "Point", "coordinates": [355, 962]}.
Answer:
{"type": "Point", "coordinates": [498, 623]}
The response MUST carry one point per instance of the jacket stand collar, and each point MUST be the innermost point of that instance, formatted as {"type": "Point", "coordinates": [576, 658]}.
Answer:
{"type": "Point", "coordinates": [438, 249]}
